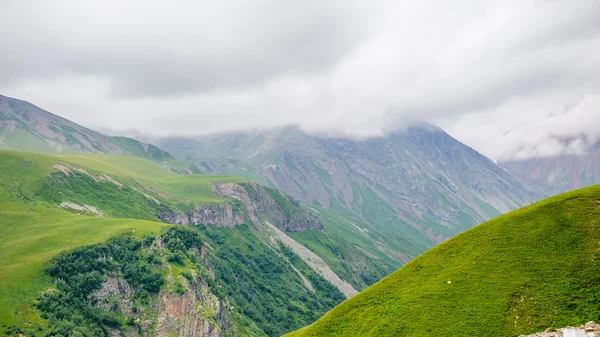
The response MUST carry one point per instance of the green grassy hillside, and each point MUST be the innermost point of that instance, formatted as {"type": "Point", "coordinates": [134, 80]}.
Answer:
{"type": "Point", "coordinates": [250, 270]}
{"type": "Point", "coordinates": [520, 273]}
{"type": "Point", "coordinates": [33, 231]}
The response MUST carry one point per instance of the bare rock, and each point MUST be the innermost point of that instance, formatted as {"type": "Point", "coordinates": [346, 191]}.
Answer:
{"type": "Point", "coordinates": [209, 214]}
{"type": "Point", "coordinates": [179, 315]}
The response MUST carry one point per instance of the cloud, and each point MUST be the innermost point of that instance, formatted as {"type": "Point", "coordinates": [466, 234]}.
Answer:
{"type": "Point", "coordinates": [151, 48]}
{"type": "Point", "coordinates": [510, 78]}
{"type": "Point", "coordinates": [548, 127]}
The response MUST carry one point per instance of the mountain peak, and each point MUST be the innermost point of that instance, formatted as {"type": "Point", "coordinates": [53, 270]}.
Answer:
{"type": "Point", "coordinates": [419, 181]}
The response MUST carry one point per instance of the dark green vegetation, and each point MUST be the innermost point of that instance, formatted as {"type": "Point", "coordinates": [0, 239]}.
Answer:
{"type": "Point", "coordinates": [257, 282]}
{"type": "Point", "coordinates": [263, 286]}
{"type": "Point", "coordinates": [33, 231]}
{"type": "Point", "coordinates": [520, 273]}
{"type": "Point", "coordinates": [57, 213]}
{"type": "Point", "coordinates": [78, 273]}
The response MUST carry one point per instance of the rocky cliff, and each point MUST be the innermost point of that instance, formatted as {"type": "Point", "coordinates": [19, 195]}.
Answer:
{"type": "Point", "coordinates": [589, 329]}
{"type": "Point", "coordinates": [185, 306]}
{"type": "Point", "coordinates": [248, 202]}
{"type": "Point", "coordinates": [209, 214]}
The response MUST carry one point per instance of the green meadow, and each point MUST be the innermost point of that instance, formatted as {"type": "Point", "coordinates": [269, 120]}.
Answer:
{"type": "Point", "coordinates": [533, 268]}
{"type": "Point", "coordinates": [34, 231]}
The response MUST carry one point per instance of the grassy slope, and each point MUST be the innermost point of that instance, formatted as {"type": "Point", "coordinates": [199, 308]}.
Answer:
{"type": "Point", "coordinates": [135, 148]}
{"type": "Point", "coordinates": [519, 273]}
{"type": "Point", "coordinates": [191, 187]}
{"type": "Point", "coordinates": [346, 242]}
{"type": "Point", "coordinates": [24, 140]}
{"type": "Point", "coordinates": [34, 231]}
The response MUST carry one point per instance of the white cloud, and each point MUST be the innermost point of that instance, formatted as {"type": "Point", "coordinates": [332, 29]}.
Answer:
{"type": "Point", "coordinates": [509, 78]}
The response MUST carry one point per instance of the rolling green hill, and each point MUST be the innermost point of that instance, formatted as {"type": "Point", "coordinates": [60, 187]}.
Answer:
{"type": "Point", "coordinates": [520, 273]}
{"type": "Point", "coordinates": [58, 211]}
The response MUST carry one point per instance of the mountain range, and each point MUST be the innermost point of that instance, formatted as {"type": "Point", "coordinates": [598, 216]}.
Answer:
{"type": "Point", "coordinates": [560, 173]}
{"type": "Point", "coordinates": [262, 232]}
{"type": "Point", "coordinates": [418, 185]}
{"type": "Point", "coordinates": [26, 127]}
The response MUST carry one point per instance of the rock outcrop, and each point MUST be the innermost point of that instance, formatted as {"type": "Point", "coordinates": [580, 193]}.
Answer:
{"type": "Point", "coordinates": [589, 329]}
{"type": "Point", "coordinates": [209, 214]}
{"type": "Point", "coordinates": [262, 202]}
{"type": "Point", "coordinates": [179, 315]}
{"type": "Point", "coordinates": [248, 201]}
{"type": "Point", "coordinates": [193, 312]}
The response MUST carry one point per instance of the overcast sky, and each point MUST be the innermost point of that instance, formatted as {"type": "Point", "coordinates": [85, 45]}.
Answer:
{"type": "Point", "coordinates": [509, 78]}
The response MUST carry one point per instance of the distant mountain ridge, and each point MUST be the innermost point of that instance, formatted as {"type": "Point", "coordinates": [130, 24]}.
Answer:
{"type": "Point", "coordinates": [420, 185]}
{"type": "Point", "coordinates": [561, 173]}
{"type": "Point", "coordinates": [26, 127]}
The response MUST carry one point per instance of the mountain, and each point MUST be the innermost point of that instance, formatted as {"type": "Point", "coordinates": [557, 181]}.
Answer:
{"type": "Point", "coordinates": [101, 245]}
{"type": "Point", "coordinates": [561, 173]}
{"type": "Point", "coordinates": [26, 127]}
{"type": "Point", "coordinates": [419, 186]}
{"type": "Point", "coordinates": [520, 273]}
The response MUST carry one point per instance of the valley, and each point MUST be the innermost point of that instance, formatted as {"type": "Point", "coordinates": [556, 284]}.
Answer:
{"type": "Point", "coordinates": [299, 168]}
{"type": "Point", "coordinates": [267, 232]}
{"type": "Point", "coordinates": [248, 228]}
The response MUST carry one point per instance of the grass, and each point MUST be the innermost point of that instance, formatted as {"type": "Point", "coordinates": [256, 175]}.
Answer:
{"type": "Point", "coordinates": [520, 273]}
{"type": "Point", "coordinates": [24, 140]}
{"type": "Point", "coordinates": [135, 148]}
{"type": "Point", "coordinates": [191, 187]}
{"type": "Point", "coordinates": [33, 231]}
{"type": "Point", "coordinates": [32, 236]}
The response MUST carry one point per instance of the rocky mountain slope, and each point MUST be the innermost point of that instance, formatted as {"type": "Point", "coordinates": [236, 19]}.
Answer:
{"type": "Point", "coordinates": [419, 186]}
{"type": "Point", "coordinates": [26, 127]}
{"type": "Point", "coordinates": [562, 173]}
{"type": "Point", "coordinates": [250, 261]}
{"type": "Point", "coordinates": [518, 274]}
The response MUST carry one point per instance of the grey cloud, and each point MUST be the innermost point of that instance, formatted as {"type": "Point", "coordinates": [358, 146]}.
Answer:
{"type": "Point", "coordinates": [510, 78]}
{"type": "Point", "coordinates": [153, 49]}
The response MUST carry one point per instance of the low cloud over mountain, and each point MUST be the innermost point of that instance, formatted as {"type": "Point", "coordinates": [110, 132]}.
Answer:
{"type": "Point", "coordinates": [512, 79]}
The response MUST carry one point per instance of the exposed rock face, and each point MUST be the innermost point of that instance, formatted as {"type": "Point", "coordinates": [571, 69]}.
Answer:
{"type": "Point", "coordinates": [114, 288]}
{"type": "Point", "coordinates": [195, 313]}
{"type": "Point", "coordinates": [315, 262]}
{"type": "Point", "coordinates": [82, 208]}
{"type": "Point", "coordinates": [180, 315]}
{"type": "Point", "coordinates": [590, 329]}
{"type": "Point", "coordinates": [255, 201]}
{"type": "Point", "coordinates": [297, 219]}
{"type": "Point", "coordinates": [285, 212]}
{"type": "Point", "coordinates": [210, 214]}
